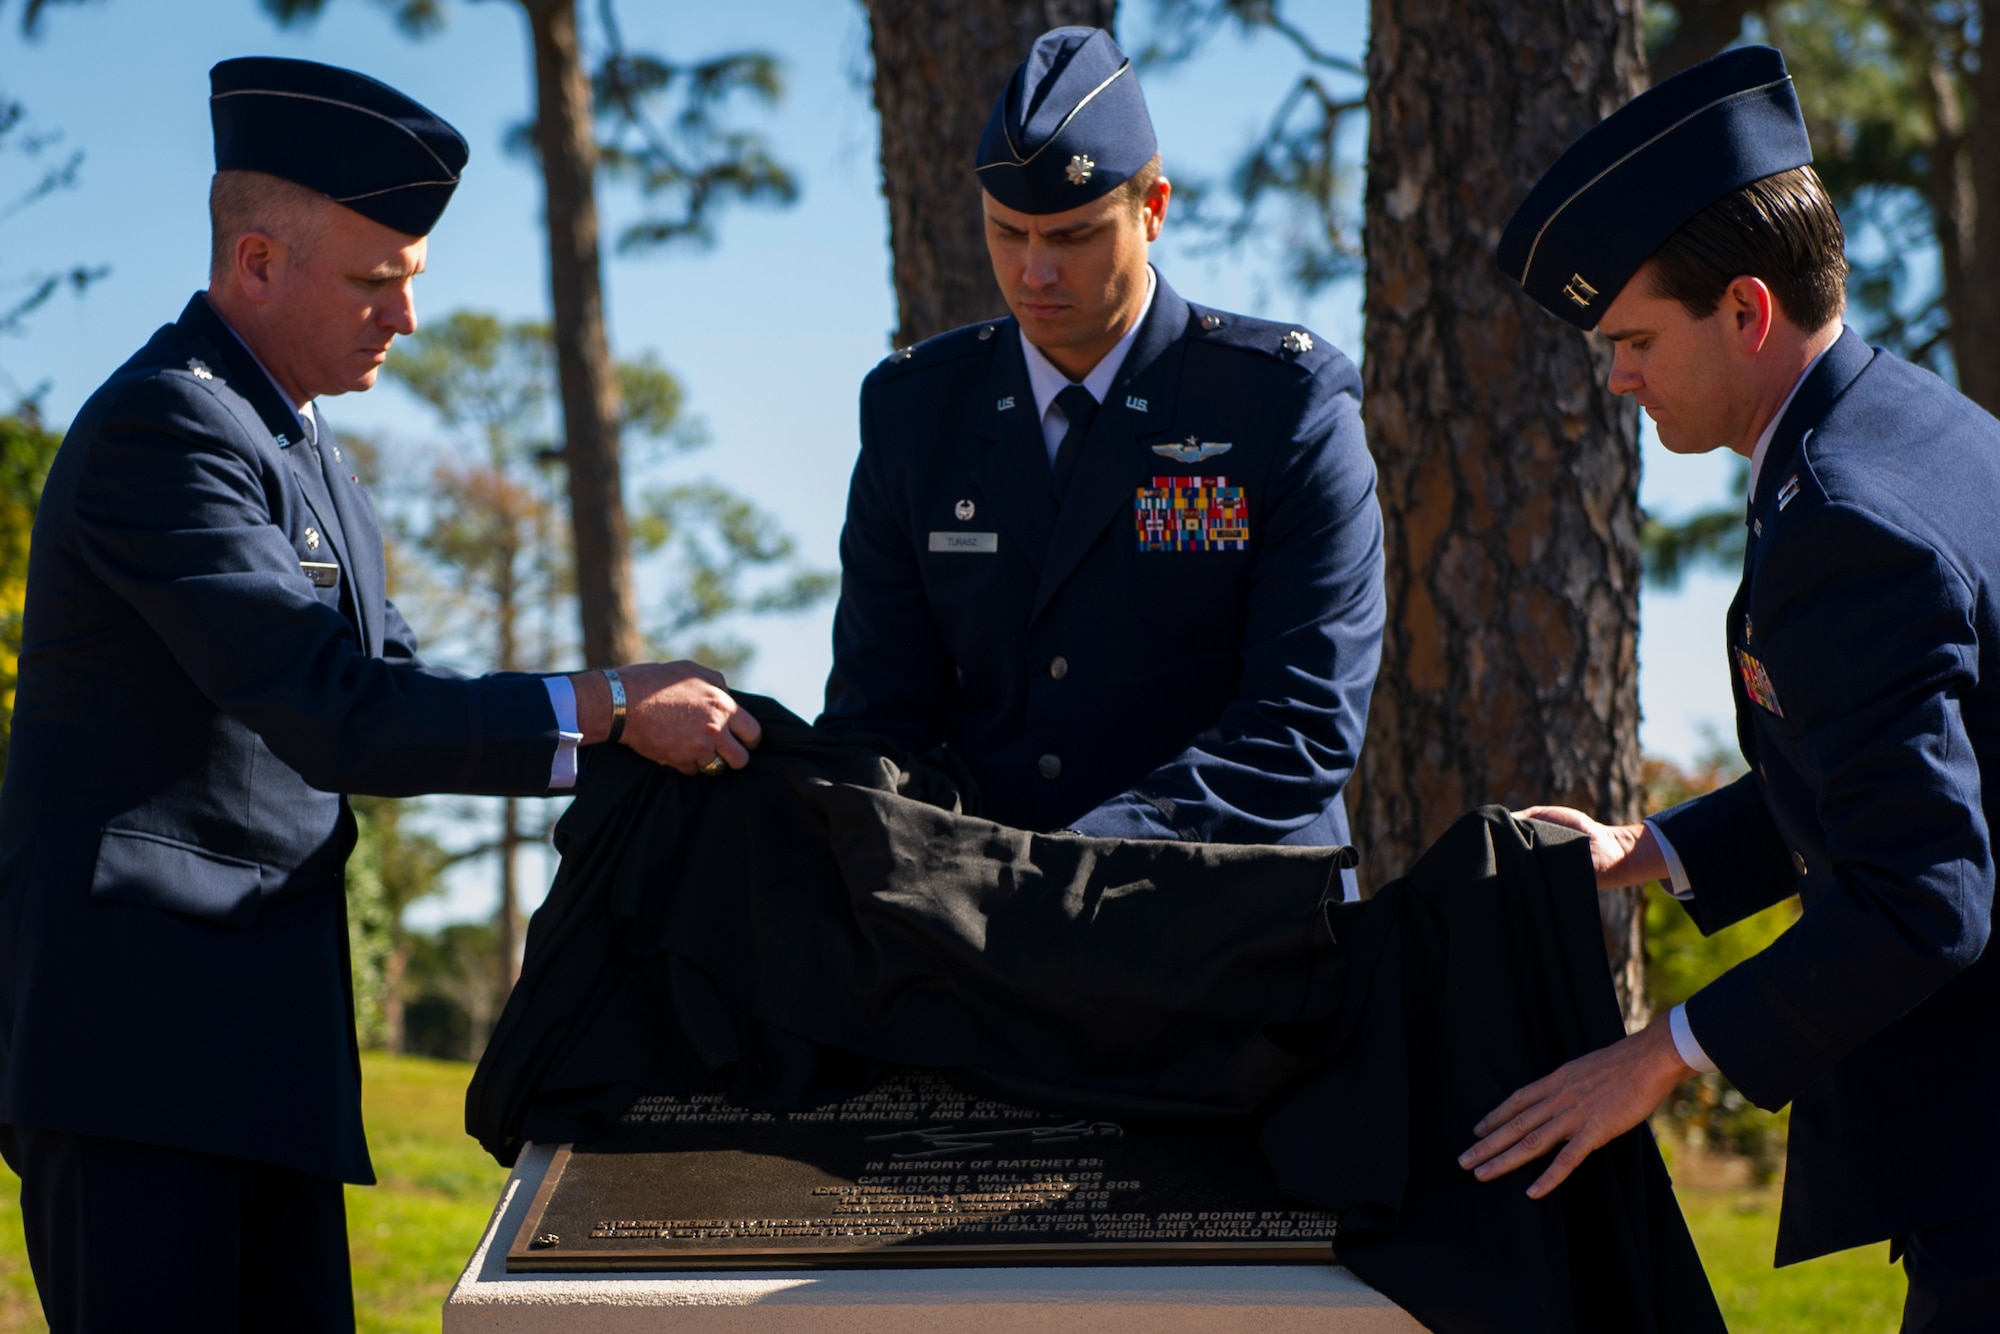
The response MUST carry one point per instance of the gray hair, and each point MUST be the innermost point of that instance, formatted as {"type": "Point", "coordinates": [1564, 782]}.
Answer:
{"type": "Point", "coordinates": [251, 201]}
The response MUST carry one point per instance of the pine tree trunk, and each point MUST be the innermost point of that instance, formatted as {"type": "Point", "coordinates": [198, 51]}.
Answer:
{"type": "Point", "coordinates": [1509, 474]}
{"type": "Point", "coordinates": [1975, 342]}
{"type": "Point", "coordinates": [507, 920]}
{"type": "Point", "coordinates": [939, 67]}
{"type": "Point", "coordinates": [565, 138]}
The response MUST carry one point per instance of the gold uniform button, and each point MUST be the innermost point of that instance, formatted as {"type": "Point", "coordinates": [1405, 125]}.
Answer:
{"type": "Point", "coordinates": [1050, 766]}
{"type": "Point", "coordinates": [1059, 668]}
{"type": "Point", "coordinates": [1799, 860]}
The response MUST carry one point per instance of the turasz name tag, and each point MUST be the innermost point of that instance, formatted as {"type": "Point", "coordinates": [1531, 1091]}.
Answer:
{"type": "Point", "coordinates": [972, 543]}
{"type": "Point", "coordinates": [324, 574]}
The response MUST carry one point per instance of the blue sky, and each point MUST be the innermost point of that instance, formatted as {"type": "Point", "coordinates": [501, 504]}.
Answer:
{"type": "Point", "coordinates": [770, 331]}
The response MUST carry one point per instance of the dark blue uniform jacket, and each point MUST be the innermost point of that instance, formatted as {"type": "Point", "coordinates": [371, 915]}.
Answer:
{"type": "Point", "coordinates": [173, 947]}
{"type": "Point", "coordinates": [1870, 718]}
{"type": "Point", "coordinates": [1211, 687]}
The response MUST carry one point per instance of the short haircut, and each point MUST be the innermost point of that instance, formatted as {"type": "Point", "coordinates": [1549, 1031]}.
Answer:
{"type": "Point", "coordinates": [1782, 229]}
{"type": "Point", "coordinates": [251, 201]}
{"type": "Point", "coordinates": [1132, 192]}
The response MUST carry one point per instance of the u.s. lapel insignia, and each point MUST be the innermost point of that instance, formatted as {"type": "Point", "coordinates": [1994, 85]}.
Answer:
{"type": "Point", "coordinates": [312, 539]}
{"type": "Point", "coordinates": [1788, 492]}
{"type": "Point", "coordinates": [1004, 404]}
{"type": "Point", "coordinates": [964, 510]}
{"type": "Point", "coordinates": [1193, 451]}
{"type": "Point", "coordinates": [1079, 169]}
{"type": "Point", "coordinates": [1757, 683]}
{"type": "Point", "coordinates": [1192, 514]}
{"type": "Point", "coordinates": [199, 369]}
{"type": "Point", "coordinates": [1298, 342]}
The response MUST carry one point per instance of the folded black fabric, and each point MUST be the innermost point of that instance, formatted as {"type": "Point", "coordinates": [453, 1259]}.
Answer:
{"type": "Point", "coordinates": [1480, 971]}
{"type": "Point", "coordinates": [784, 932]}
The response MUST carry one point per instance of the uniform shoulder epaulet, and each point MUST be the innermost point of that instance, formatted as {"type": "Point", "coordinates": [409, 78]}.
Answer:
{"type": "Point", "coordinates": [192, 360]}
{"type": "Point", "coordinates": [1292, 343]}
{"type": "Point", "coordinates": [952, 345]}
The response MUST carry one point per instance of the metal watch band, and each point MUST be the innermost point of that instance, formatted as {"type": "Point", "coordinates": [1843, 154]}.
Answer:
{"type": "Point", "coordinates": [617, 704]}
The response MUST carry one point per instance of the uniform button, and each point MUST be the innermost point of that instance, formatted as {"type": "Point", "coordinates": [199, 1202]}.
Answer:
{"type": "Point", "coordinates": [1059, 668]}
{"type": "Point", "coordinates": [1050, 766]}
{"type": "Point", "coordinates": [1799, 858]}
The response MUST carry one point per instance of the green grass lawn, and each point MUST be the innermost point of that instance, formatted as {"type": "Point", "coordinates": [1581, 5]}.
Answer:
{"type": "Point", "coordinates": [412, 1234]}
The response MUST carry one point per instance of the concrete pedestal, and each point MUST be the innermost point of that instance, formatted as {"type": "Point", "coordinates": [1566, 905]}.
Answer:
{"type": "Point", "coordinates": [1208, 1299]}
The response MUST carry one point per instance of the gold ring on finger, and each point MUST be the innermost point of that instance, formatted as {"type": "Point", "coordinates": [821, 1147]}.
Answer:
{"type": "Point", "coordinates": [714, 766]}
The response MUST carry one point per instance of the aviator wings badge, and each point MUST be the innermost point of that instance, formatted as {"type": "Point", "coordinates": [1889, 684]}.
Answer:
{"type": "Point", "coordinates": [1192, 450]}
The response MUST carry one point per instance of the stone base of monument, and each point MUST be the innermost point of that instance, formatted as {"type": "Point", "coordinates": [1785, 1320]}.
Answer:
{"type": "Point", "coordinates": [1078, 1299]}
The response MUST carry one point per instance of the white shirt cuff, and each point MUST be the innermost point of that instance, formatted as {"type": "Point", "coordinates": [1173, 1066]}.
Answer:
{"type": "Point", "coordinates": [1677, 875]}
{"type": "Point", "coordinates": [1684, 1043]}
{"type": "Point", "coordinates": [562, 698]}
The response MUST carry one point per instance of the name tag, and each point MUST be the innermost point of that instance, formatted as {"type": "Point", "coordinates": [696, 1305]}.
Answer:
{"type": "Point", "coordinates": [980, 543]}
{"type": "Point", "coordinates": [323, 573]}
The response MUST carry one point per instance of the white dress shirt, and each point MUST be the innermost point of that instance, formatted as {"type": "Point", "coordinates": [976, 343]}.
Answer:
{"type": "Point", "coordinates": [1684, 1039]}
{"type": "Point", "coordinates": [1046, 381]}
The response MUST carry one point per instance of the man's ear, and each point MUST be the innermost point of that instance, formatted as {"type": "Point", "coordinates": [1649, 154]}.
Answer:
{"type": "Point", "coordinates": [1753, 312]}
{"type": "Point", "coordinates": [257, 255]}
{"type": "Point", "coordinates": [1155, 206]}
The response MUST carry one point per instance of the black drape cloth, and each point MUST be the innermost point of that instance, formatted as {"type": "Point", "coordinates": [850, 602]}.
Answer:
{"type": "Point", "coordinates": [784, 932]}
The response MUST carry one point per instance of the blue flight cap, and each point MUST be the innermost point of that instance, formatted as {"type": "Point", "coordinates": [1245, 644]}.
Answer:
{"type": "Point", "coordinates": [1071, 127]}
{"type": "Point", "coordinates": [1630, 182]}
{"type": "Point", "coordinates": [352, 138]}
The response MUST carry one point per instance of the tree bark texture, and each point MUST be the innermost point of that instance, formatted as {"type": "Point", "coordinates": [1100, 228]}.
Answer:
{"type": "Point", "coordinates": [567, 144]}
{"type": "Point", "coordinates": [1509, 473]}
{"type": "Point", "coordinates": [507, 918]}
{"type": "Point", "coordinates": [939, 67]}
{"type": "Point", "coordinates": [1975, 342]}
{"type": "Point", "coordinates": [1705, 27]}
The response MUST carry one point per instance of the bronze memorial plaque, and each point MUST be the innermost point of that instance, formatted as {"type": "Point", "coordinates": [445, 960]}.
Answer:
{"type": "Point", "coordinates": [913, 1172]}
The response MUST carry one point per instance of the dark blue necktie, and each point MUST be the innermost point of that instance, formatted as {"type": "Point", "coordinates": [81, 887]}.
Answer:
{"type": "Point", "coordinates": [1080, 409]}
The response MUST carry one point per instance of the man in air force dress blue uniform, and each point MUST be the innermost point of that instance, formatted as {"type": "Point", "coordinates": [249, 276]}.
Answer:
{"type": "Point", "coordinates": [1120, 551]}
{"type": "Point", "coordinates": [208, 661]}
{"type": "Point", "coordinates": [1689, 229]}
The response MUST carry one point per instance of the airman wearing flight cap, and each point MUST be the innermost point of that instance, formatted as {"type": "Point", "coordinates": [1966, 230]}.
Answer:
{"type": "Point", "coordinates": [208, 663]}
{"type": "Point", "coordinates": [1690, 231]}
{"type": "Point", "coordinates": [1119, 550]}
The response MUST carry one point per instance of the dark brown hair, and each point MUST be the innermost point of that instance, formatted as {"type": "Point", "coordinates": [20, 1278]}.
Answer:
{"type": "Point", "coordinates": [1782, 229]}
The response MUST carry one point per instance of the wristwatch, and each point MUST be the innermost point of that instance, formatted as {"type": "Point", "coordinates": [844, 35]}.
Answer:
{"type": "Point", "coordinates": [617, 704]}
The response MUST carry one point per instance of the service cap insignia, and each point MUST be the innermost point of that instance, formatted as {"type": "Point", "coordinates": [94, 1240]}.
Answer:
{"type": "Point", "coordinates": [1080, 167]}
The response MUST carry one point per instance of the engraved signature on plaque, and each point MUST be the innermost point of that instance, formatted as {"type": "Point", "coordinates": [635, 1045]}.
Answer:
{"type": "Point", "coordinates": [942, 1140]}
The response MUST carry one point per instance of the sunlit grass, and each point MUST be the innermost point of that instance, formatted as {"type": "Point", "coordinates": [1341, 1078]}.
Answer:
{"type": "Point", "coordinates": [1854, 1292]}
{"type": "Point", "coordinates": [408, 1237]}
